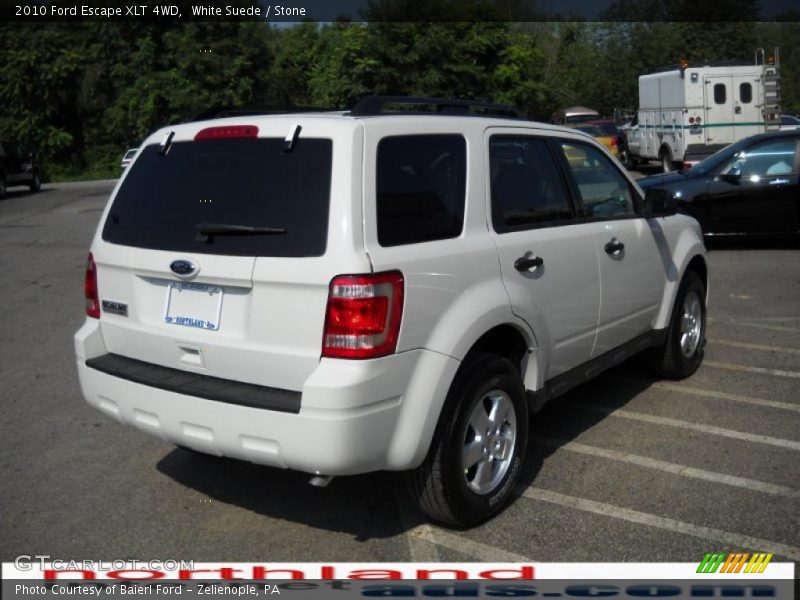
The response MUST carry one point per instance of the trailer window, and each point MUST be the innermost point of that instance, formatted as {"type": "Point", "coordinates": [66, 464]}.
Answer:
{"type": "Point", "coordinates": [745, 93]}
{"type": "Point", "coordinates": [719, 93]}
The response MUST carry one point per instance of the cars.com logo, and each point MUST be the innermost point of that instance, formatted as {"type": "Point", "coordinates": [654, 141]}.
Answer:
{"type": "Point", "coordinates": [721, 562]}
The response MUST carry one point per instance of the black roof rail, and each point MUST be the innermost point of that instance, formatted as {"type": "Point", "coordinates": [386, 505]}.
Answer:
{"type": "Point", "coordinates": [374, 105]}
{"type": "Point", "coordinates": [217, 112]}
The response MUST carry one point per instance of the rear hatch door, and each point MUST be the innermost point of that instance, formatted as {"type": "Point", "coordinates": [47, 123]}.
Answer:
{"type": "Point", "coordinates": [213, 254]}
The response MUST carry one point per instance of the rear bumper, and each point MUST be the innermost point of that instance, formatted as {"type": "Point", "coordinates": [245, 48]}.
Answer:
{"type": "Point", "coordinates": [354, 416]}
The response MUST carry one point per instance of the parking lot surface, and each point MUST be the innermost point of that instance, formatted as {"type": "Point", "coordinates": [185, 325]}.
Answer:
{"type": "Point", "coordinates": [624, 468]}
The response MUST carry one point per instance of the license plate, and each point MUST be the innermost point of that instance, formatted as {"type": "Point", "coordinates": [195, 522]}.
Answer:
{"type": "Point", "coordinates": [193, 305]}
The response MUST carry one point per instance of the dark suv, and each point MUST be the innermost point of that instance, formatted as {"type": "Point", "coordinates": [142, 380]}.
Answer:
{"type": "Point", "coordinates": [18, 167]}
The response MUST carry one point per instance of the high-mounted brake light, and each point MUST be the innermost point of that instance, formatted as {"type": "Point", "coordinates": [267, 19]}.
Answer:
{"type": "Point", "coordinates": [226, 132]}
{"type": "Point", "coordinates": [363, 315]}
{"type": "Point", "coordinates": [90, 289]}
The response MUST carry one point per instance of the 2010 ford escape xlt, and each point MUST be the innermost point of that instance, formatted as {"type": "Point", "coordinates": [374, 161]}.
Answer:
{"type": "Point", "coordinates": [381, 289]}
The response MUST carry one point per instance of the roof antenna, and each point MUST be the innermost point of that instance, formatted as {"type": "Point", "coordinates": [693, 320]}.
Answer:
{"type": "Point", "coordinates": [166, 143]}
{"type": "Point", "coordinates": [291, 138]}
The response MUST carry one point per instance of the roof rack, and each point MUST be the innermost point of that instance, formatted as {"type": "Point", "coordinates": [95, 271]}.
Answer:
{"type": "Point", "coordinates": [217, 112]}
{"type": "Point", "coordinates": [374, 105]}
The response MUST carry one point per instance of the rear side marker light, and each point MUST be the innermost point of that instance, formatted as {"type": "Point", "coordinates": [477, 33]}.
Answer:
{"type": "Point", "coordinates": [226, 132]}
{"type": "Point", "coordinates": [90, 289]}
{"type": "Point", "coordinates": [363, 316]}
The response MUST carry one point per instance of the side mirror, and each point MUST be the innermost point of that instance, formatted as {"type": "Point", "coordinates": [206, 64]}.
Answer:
{"type": "Point", "coordinates": [733, 178]}
{"type": "Point", "coordinates": [659, 203]}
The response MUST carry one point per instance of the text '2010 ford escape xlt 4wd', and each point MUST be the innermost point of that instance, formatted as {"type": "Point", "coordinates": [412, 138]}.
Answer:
{"type": "Point", "coordinates": [340, 293]}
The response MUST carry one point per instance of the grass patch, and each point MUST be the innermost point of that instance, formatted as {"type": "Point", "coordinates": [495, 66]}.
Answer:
{"type": "Point", "coordinates": [58, 174]}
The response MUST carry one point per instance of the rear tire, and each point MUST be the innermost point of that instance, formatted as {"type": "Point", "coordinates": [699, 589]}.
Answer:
{"type": "Point", "coordinates": [667, 164]}
{"type": "Point", "coordinates": [36, 182]}
{"type": "Point", "coordinates": [628, 161]}
{"type": "Point", "coordinates": [473, 465]}
{"type": "Point", "coordinates": [682, 352]}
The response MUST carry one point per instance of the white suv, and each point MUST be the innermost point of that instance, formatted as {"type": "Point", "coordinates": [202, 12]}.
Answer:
{"type": "Point", "coordinates": [340, 293]}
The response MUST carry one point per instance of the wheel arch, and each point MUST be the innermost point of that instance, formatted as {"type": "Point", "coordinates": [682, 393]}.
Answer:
{"type": "Point", "coordinates": [688, 253]}
{"type": "Point", "coordinates": [505, 338]}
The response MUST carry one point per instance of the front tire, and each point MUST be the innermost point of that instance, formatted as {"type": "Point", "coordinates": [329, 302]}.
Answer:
{"type": "Point", "coordinates": [476, 455]}
{"type": "Point", "coordinates": [682, 352]}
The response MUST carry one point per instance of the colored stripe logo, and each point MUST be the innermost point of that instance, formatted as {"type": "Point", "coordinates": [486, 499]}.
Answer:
{"type": "Point", "coordinates": [734, 562]}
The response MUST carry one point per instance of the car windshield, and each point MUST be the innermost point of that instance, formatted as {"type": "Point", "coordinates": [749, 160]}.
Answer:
{"type": "Point", "coordinates": [719, 158]}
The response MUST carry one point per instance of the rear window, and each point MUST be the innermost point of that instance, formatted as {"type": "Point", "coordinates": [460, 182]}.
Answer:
{"type": "Point", "coordinates": [580, 118]}
{"type": "Point", "coordinates": [238, 182]}
{"type": "Point", "coordinates": [608, 128]}
{"type": "Point", "coordinates": [745, 93]}
{"type": "Point", "coordinates": [421, 182]}
{"type": "Point", "coordinates": [719, 93]}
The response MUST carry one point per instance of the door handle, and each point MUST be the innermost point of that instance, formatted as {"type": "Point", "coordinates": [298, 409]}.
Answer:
{"type": "Point", "coordinates": [614, 246]}
{"type": "Point", "coordinates": [526, 263]}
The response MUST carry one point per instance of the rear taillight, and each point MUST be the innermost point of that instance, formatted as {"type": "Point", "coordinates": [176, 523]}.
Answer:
{"type": "Point", "coordinates": [614, 141]}
{"type": "Point", "coordinates": [90, 289]}
{"type": "Point", "coordinates": [363, 315]}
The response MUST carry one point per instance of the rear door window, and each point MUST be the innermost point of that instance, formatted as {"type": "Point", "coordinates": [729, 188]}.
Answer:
{"type": "Point", "coordinates": [421, 184]}
{"type": "Point", "coordinates": [719, 93]}
{"type": "Point", "coordinates": [527, 189]}
{"type": "Point", "coordinates": [165, 200]}
{"type": "Point", "coordinates": [745, 93]}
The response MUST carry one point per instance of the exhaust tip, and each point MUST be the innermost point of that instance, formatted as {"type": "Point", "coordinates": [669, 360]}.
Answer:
{"type": "Point", "coordinates": [320, 480]}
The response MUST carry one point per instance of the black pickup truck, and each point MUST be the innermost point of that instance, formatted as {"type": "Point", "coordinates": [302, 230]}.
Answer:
{"type": "Point", "coordinates": [18, 167]}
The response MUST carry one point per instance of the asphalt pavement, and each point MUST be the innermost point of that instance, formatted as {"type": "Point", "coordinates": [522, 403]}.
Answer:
{"type": "Point", "coordinates": [624, 468]}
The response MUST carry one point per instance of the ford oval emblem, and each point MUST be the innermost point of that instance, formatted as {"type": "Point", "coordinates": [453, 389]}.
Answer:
{"type": "Point", "coordinates": [183, 268]}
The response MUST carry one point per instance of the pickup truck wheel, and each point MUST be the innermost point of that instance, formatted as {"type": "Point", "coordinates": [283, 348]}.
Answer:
{"type": "Point", "coordinates": [628, 161]}
{"type": "Point", "coordinates": [667, 164]}
{"type": "Point", "coordinates": [477, 451]}
{"type": "Point", "coordinates": [682, 352]}
{"type": "Point", "coordinates": [36, 182]}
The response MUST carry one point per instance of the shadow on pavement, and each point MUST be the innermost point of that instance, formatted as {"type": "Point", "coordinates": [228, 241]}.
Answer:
{"type": "Point", "coordinates": [754, 243]}
{"type": "Point", "coordinates": [364, 506]}
{"type": "Point", "coordinates": [562, 421]}
{"type": "Point", "coordinates": [375, 505]}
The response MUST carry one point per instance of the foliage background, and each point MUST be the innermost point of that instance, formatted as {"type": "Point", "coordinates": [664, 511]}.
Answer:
{"type": "Point", "coordinates": [80, 94]}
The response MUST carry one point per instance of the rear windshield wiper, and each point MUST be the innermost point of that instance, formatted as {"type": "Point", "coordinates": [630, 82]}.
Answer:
{"type": "Point", "coordinates": [206, 230]}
